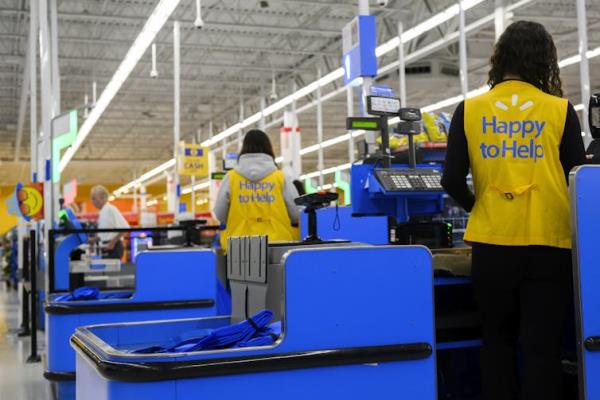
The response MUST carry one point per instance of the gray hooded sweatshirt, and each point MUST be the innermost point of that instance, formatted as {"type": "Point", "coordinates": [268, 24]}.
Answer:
{"type": "Point", "coordinates": [255, 166]}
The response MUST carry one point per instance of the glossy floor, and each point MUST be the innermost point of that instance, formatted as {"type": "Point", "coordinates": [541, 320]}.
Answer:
{"type": "Point", "coordinates": [18, 379]}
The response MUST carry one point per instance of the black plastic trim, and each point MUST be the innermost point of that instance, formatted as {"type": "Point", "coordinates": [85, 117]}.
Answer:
{"type": "Point", "coordinates": [59, 376]}
{"type": "Point", "coordinates": [592, 343]}
{"type": "Point", "coordinates": [160, 371]}
{"type": "Point", "coordinates": [66, 308]}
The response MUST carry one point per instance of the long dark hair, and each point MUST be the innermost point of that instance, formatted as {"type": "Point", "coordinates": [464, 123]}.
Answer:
{"type": "Point", "coordinates": [527, 50]}
{"type": "Point", "coordinates": [256, 141]}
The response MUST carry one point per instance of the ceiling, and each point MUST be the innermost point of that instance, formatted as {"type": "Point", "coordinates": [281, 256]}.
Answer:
{"type": "Point", "coordinates": [243, 45]}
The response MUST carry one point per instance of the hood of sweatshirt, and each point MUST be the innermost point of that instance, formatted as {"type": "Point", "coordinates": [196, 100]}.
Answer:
{"type": "Point", "coordinates": [255, 166]}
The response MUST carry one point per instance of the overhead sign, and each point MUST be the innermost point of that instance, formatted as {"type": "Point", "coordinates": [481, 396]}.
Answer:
{"type": "Point", "coordinates": [192, 160]}
{"type": "Point", "coordinates": [359, 39]}
{"type": "Point", "coordinates": [64, 133]}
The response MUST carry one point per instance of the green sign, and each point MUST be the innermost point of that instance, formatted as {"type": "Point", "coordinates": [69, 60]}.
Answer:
{"type": "Point", "coordinates": [366, 123]}
{"type": "Point", "coordinates": [218, 176]}
{"type": "Point", "coordinates": [64, 132]}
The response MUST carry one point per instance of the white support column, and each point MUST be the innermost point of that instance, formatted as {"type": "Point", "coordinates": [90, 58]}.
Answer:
{"type": "Point", "coordinates": [462, 45]}
{"type": "Point", "coordinates": [33, 124]}
{"type": "Point", "coordinates": [241, 132]}
{"type": "Point", "coordinates": [23, 101]}
{"type": "Point", "coordinates": [363, 7]}
{"type": "Point", "coordinates": [135, 200]}
{"type": "Point", "coordinates": [401, 66]}
{"type": "Point", "coordinates": [263, 104]}
{"type": "Point", "coordinates": [143, 198]}
{"type": "Point", "coordinates": [584, 67]}
{"type": "Point", "coordinates": [320, 162]}
{"type": "Point", "coordinates": [350, 112]}
{"type": "Point", "coordinates": [54, 53]}
{"type": "Point", "coordinates": [500, 18]}
{"type": "Point", "coordinates": [47, 109]}
{"type": "Point", "coordinates": [176, 115]}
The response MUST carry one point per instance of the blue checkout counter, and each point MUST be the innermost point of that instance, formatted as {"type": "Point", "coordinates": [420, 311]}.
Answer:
{"type": "Point", "coordinates": [169, 284]}
{"type": "Point", "coordinates": [355, 326]}
{"type": "Point", "coordinates": [585, 216]}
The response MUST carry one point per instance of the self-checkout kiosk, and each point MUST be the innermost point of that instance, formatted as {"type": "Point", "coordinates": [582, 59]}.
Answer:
{"type": "Point", "coordinates": [395, 203]}
{"type": "Point", "coordinates": [354, 326]}
{"type": "Point", "coordinates": [390, 201]}
{"type": "Point", "coordinates": [584, 186]}
{"type": "Point", "coordinates": [169, 284]}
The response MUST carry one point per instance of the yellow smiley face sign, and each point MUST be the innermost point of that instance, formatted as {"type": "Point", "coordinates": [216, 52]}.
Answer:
{"type": "Point", "coordinates": [30, 200]}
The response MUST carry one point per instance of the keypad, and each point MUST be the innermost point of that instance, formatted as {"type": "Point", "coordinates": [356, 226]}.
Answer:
{"type": "Point", "coordinates": [409, 180]}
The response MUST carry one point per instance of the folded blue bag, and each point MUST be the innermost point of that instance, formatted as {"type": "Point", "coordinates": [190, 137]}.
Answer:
{"type": "Point", "coordinates": [265, 337]}
{"type": "Point", "coordinates": [91, 293]}
{"type": "Point", "coordinates": [251, 332]}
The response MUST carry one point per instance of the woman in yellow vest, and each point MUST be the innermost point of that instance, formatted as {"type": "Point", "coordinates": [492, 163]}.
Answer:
{"type": "Point", "coordinates": [520, 141]}
{"type": "Point", "coordinates": [256, 198]}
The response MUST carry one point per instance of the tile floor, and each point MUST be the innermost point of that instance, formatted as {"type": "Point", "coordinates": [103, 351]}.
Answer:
{"type": "Point", "coordinates": [18, 379]}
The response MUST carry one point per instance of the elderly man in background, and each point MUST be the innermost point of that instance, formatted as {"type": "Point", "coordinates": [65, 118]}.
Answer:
{"type": "Point", "coordinates": [108, 218]}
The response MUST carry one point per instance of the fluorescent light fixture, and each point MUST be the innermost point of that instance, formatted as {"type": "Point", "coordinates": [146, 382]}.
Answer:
{"type": "Point", "coordinates": [579, 107]}
{"type": "Point", "coordinates": [425, 26]}
{"type": "Point", "coordinates": [577, 58]}
{"type": "Point", "coordinates": [327, 171]}
{"type": "Point", "coordinates": [163, 167]}
{"type": "Point", "coordinates": [153, 25]}
{"type": "Point", "coordinates": [198, 186]}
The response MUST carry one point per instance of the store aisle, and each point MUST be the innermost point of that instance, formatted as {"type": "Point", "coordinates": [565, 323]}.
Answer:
{"type": "Point", "coordinates": [18, 380]}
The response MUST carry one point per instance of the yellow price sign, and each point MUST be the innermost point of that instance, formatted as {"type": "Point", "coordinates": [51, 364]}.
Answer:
{"type": "Point", "coordinates": [193, 160]}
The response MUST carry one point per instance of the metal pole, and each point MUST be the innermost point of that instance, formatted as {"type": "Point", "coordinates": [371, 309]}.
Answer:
{"type": "Point", "coordinates": [33, 356]}
{"type": "Point", "coordinates": [56, 97]}
{"type": "Point", "coordinates": [363, 9]}
{"type": "Point", "coordinates": [176, 116]}
{"type": "Point", "coordinates": [401, 66]}
{"type": "Point", "coordinates": [350, 111]}
{"type": "Point", "coordinates": [499, 18]}
{"type": "Point", "coordinates": [33, 125]}
{"type": "Point", "coordinates": [193, 182]}
{"type": "Point", "coordinates": [462, 45]}
{"type": "Point", "coordinates": [23, 102]}
{"type": "Point", "coordinates": [263, 104]}
{"type": "Point", "coordinates": [47, 114]}
{"type": "Point", "coordinates": [320, 163]}
{"type": "Point", "coordinates": [25, 308]}
{"type": "Point", "coordinates": [54, 53]}
{"type": "Point", "coordinates": [241, 132]}
{"type": "Point", "coordinates": [584, 68]}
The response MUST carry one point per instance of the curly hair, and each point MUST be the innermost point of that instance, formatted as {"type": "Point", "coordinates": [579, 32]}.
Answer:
{"type": "Point", "coordinates": [527, 50]}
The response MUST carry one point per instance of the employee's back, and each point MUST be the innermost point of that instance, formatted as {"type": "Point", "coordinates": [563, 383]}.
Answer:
{"type": "Point", "coordinates": [256, 198]}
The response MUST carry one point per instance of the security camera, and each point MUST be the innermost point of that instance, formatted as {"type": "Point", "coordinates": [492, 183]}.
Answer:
{"type": "Point", "coordinates": [382, 3]}
{"type": "Point", "coordinates": [273, 96]}
{"type": "Point", "coordinates": [199, 23]}
{"type": "Point", "coordinates": [154, 74]}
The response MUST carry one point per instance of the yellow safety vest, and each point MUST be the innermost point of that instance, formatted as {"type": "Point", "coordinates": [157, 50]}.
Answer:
{"type": "Point", "coordinates": [257, 208]}
{"type": "Point", "coordinates": [514, 133]}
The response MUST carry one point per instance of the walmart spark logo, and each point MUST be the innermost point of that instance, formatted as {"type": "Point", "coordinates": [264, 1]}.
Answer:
{"type": "Point", "coordinates": [515, 101]}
